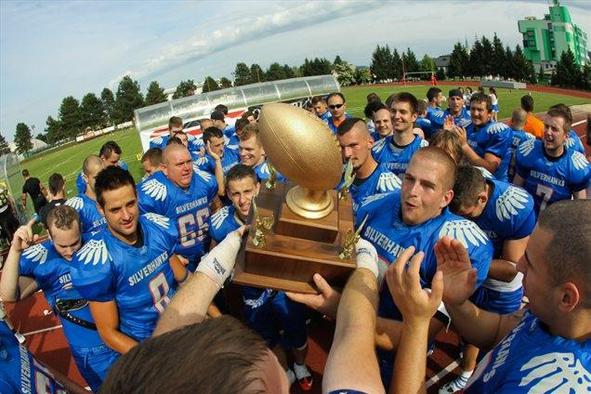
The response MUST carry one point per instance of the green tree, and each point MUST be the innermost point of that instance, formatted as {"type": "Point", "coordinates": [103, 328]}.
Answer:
{"type": "Point", "coordinates": [209, 85]}
{"type": "Point", "coordinates": [185, 89]}
{"type": "Point", "coordinates": [108, 99]}
{"type": "Point", "coordinates": [92, 112]}
{"type": "Point", "coordinates": [345, 73]}
{"type": "Point", "coordinates": [257, 73]}
{"type": "Point", "coordinates": [337, 60]}
{"type": "Point", "coordinates": [4, 149]}
{"type": "Point", "coordinates": [291, 72]}
{"type": "Point", "coordinates": [458, 61]}
{"type": "Point", "coordinates": [225, 83]}
{"type": "Point", "coordinates": [275, 72]}
{"type": "Point", "coordinates": [381, 62]}
{"type": "Point", "coordinates": [155, 94]}
{"type": "Point", "coordinates": [498, 61]}
{"type": "Point", "coordinates": [22, 138]}
{"type": "Point", "coordinates": [69, 115]}
{"type": "Point", "coordinates": [541, 75]}
{"type": "Point", "coordinates": [440, 74]}
{"type": "Point", "coordinates": [42, 137]}
{"type": "Point", "coordinates": [519, 65]}
{"type": "Point", "coordinates": [362, 75]}
{"type": "Point", "coordinates": [586, 84]}
{"type": "Point", "coordinates": [54, 130]}
{"type": "Point", "coordinates": [427, 63]}
{"type": "Point", "coordinates": [476, 64]}
{"type": "Point", "coordinates": [530, 72]}
{"type": "Point", "coordinates": [488, 67]}
{"type": "Point", "coordinates": [509, 66]}
{"type": "Point", "coordinates": [568, 73]}
{"type": "Point", "coordinates": [395, 65]}
{"type": "Point", "coordinates": [410, 61]}
{"type": "Point", "coordinates": [127, 99]}
{"type": "Point", "coordinates": [242, 75]}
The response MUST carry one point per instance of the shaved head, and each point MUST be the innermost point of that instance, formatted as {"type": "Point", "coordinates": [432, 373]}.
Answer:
{"type": "Point", "coordinates": [92, 165]}
{"type": "Point", "coordinates": [170, 149]}
{"type": "Point", "coordinates": [448, 176]}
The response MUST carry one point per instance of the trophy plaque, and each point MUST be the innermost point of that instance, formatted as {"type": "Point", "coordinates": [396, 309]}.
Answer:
{"type": "Point", "coordinates": [302, 227]}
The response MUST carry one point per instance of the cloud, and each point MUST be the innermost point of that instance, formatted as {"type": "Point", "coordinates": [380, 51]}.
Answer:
{"type": "Point", "coordinates": [243, 30]}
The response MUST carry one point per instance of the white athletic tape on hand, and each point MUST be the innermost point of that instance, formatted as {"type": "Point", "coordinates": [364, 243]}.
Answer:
{"type": "Point", "coordinates": [367, 256]}
{"type": "Point", "coordinates": [219, 262]}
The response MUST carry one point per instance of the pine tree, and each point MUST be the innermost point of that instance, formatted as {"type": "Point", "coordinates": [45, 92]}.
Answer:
{"type": "Point", "coordinates": [275, 72]}
{"type": "Point", "coordinates": [477, 68]}
{"type": "Point", "coordinates": [568, 72]}
{"type": "Point", "coordinates": [396, 65]}
{"type": "Point", "coordinates": [155, 94]}
{"type": "Point", "coordinates": [225, 83]}
{"type": "Point", "coordinates": [108, 99]}
{"type": "Point", "coordinates": [242, 75]}
{"type": "Point", "coordinates": [22, 138]}
{"type": "Point", "coordinates": [488, 67]}
{"type": "Point", "coordinates": [4, 149]}
{"type": "Point", "coordinates": [185, 89]}
{"type": "Point", "coordinates": [411, 63]}
{"type": "Point", "coordinates": [69, 116]}
{"type": "Point", "coordinates": [127, 99]}
{"type": "Point", "coordinates": [498, 61]}
{"type": "Point", "coordinates": [381, 62]}
{"type": "Point", "coordinates": [337, 60]}
{"type": "Point", "coordinates": [519, 65]}
{"type": "Point", "coordinates": [257, 73]}
{"type": "Point", "coordinates": [92, 112]}
{"type": "Point", "coordinates": [458, 62]}
{"type": "Point", "coordinates": [54, 131]}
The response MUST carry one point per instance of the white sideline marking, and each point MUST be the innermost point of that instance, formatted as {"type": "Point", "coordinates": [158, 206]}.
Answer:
{"type": "Point", "coordinates": [441, 374]}
{"type": "Point", "coordinates": [42, 330]}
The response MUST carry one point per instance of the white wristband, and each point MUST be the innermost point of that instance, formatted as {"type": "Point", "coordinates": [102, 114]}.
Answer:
{"type": "Point", "coordinates": [219, 262]}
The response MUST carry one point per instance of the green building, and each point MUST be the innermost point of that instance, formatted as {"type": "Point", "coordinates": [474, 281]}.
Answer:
{"type": "Point", "coordinates": [544, 40]}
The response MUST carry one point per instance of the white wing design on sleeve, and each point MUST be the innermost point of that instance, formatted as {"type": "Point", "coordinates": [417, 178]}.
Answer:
{"type": "Point", "coordinates": [200, 161]}
{"type": "Point", "coordinates": [206, 176]}
{"type": "Point", "coordinates": [94, 251]}
{"type": "Point", "coordinates": [218, 218]}
{"type": "Point", "coordinates": [511, 202]}
{"type": "Point", "coordinates": [388, 182]}
{"type": "Point", "coordinates": [579, 160]}
{"type": "Point", "coordinates": [556, 373]}
{"type": "Point", "coordinates": [75, 202]}
{"type": "Point", "coordinates": [36, 253]}
{"type": "Point", "coordinates": [160, 220]}
{"type": "Point", "coordinates": [155, 189]}
{"type": "Point", "coordinates": [496, 128]}
{"type": "Point", "coordinates": [526, 147]}
{"type": "Point", "coordinates": [465, 231]}
{"type": "Point", "coordinates": [379, 146]}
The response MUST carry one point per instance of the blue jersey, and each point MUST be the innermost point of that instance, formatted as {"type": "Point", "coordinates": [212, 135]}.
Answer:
{"type": "Point", "coordinates": [385, 229]}
{"type": "Point", "coordinates": [195, 144]}
{"type": "Point", "coordinates": [81, 185]}
{"type": "Point", "coordinates": [436, 116]}
{"type": "Point", "coordinates": [188, 209]}
{"type": "Point", "coordinates": [263, 173]}
{"type": "Point", "coordinates": [229, 160]}
{"type": "Point", "coordinates": [90, 217]}
{"type": "Point", "coordinates": [493, 138]}
{"type": "Point", "coordinates": [428, 128]}
{"type": "Point", "coordinates": [332, 126]}
{"type": "Point", "coordinates": [233, 143]}
{"type": "Point", "coordinates": [464, 119]}
{"type": "Point", "coordinates": [325, 116]}
{"type": "Point", "coordinates": [518, 137]}
{"type": "Point", "coordinates": [508, 215]}
{"type": "Point", "coordinates": [395, 157]}
{"type": "Point", "coordinates": [229, 131]}
{"type": "Point", "coordinates": [551, 179]}
{"type": "Point", "coordinates": [531, 360]}
{"type": "Point", "coordinates": [574, 142]}
{"type": "Point", "coordinates": [138, 278]}
{"type": "Point", "coordinates": [19, 371]}
{"type": "Point", "coordinates": [381, 180]}
{"type": "Point", "coordinates": [52, 274]}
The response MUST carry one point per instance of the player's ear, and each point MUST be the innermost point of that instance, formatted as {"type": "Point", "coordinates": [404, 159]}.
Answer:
{"type": "Point", "coordinates": [570, 297]}
{"type": "Point", "coordinates": [447, 197]}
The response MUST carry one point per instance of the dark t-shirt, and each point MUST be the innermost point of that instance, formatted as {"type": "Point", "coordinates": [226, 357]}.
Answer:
{"type": "Point", "coordinates": [44, 211]}
{"type": "Point", "coordinates": [32, 186]}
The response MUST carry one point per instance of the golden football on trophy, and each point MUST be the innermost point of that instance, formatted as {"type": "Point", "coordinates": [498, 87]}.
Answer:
{"type": "Point", "coordinates": [300, 228]}
{"type": "Point", "coordinates": [302, 147]}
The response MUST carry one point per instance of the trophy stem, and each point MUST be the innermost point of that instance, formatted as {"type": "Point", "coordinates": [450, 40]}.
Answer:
{"type": "Point", "coordinates": [310, 204]}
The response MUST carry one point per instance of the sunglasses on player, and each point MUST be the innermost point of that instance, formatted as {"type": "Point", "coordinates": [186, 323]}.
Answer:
{"type": "Point", "coordinates": [335, 106]}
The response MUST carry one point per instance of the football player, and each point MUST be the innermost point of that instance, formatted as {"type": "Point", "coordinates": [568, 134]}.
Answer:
{"type": "Point", "coordinates": [85, 203]}
{"type": "Point", "coordinates": [506, 214]}
{"type": "Point", "coordinates": [252, 154]}
{"type": "Point", "coordinates": [370, 177]}
{"type": "Point", "coordinates": [127, 272]}
{"type": "Point", "coordinates": [183, 194]}
{"type": "Point", "coordinates": [485, 143]}
{"type": "Point", "coordinates": [276, 318]}
{"type": "Point", "coordinates": [110, 154]}
{"type": "Point", "coordinates": [396, 150]}
{"type": "Point", "coordinates": [46, 266]}
{"type": "Point", "coordinates": [418, 216]}
{"type": "Point", "coordinates": [547, 169]}
{"type": "Point", "coordinates": [175, 126]}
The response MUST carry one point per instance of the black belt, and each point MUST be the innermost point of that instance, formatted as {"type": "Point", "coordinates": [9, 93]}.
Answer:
{"type": "Point", "coordinates": [63, 308]}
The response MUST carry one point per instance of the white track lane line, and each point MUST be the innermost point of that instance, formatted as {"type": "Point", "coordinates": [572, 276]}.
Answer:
{"type": "Point", "coordinates": [42, 330]}
{"type": "Point", "coordinates": [441, 374]}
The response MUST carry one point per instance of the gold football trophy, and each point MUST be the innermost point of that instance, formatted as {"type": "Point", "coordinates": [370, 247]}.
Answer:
{"type": "Point", "coordinates": [300, 228]}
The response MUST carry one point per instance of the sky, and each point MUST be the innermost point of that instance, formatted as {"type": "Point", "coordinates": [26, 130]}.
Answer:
{"type": "Point", "coordinates": [53, 49]}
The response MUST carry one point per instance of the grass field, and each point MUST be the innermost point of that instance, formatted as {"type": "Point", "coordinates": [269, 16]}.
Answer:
{"type": "Point", "coordinates": [68, 160]}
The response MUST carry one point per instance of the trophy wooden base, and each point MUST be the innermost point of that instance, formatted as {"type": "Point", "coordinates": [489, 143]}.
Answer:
{"type": "Point", "coordinates": [295, 248]}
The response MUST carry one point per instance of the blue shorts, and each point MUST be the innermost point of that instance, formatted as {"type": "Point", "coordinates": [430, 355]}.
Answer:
{"type": "Point", "coordinates": [275, 317]}
{"type": "Point", "coordinates": [495, 108]}
{"type": "Point", "coordinates": [94, 363]}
